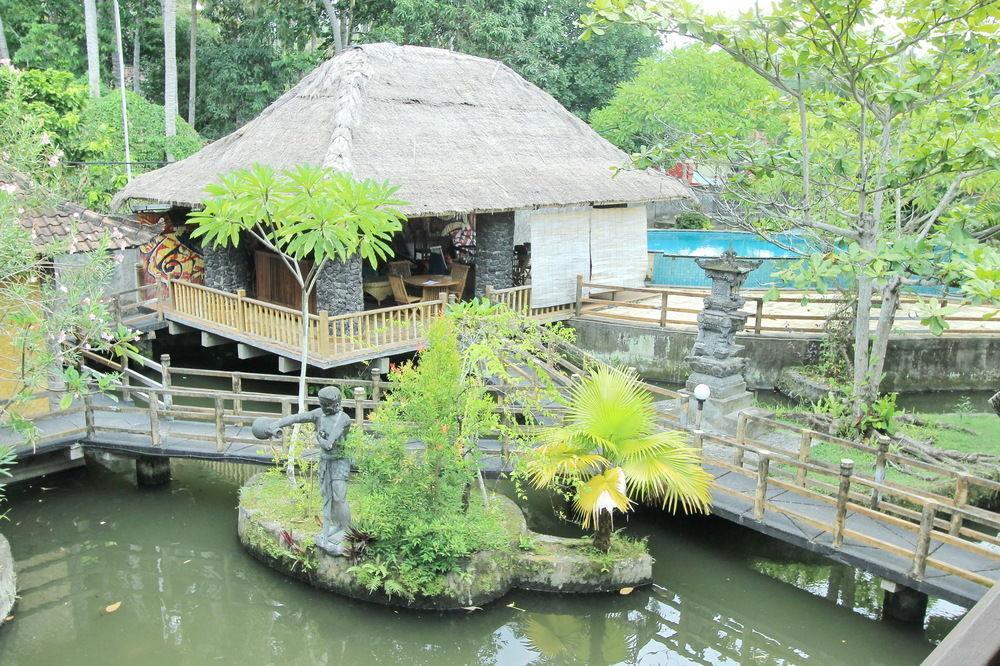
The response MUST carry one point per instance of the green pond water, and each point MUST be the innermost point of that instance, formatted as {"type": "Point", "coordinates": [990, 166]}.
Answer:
{"type": "Point", "coordinates": [89, 538]}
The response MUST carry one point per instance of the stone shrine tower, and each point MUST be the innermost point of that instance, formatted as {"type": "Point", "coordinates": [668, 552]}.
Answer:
{"type": "Point", "coordinates": [713, 358]}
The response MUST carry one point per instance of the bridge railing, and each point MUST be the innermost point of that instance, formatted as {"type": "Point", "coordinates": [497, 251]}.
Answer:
{"type": "Point", "coordinates": [852, 496]}
{"type": "Point", "coordinates": [955, 503]}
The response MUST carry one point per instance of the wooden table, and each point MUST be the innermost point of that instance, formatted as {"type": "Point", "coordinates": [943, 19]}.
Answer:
{"type": "Point", "coordinates": [440, 284]}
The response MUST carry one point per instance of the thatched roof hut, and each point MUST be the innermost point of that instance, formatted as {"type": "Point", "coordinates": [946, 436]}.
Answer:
{"type": "Point", "coordinates": [457, 133]}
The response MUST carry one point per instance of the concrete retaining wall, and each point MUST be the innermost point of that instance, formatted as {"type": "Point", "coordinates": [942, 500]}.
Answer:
{"type": "Point", "coordinates": [914, 363]}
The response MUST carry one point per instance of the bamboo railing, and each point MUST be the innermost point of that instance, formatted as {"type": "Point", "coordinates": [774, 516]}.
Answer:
{"type": "Point", "coordinates": [518, 299]}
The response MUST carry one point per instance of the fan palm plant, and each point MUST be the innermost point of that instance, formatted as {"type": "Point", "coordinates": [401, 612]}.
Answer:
{"type": "Point", "coordinates": [611, 451]}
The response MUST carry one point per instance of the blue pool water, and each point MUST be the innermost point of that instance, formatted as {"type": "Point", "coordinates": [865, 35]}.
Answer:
{"type": "Point", "coordinates": [676, 251]}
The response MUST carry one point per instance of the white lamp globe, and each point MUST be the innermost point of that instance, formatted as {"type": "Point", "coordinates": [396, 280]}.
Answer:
{"type": "Point", "coordinates": [702, 392]}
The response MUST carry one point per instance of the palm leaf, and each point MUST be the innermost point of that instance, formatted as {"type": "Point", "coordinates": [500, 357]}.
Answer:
{"type": "Point", "coordinates": [659, 467]}
{"type": "Point", "coordinates": [561, 455]}
{"type": "Point", "coordinates": [611, 406]}
{"type": "Point", "coordinates": [601, 492]}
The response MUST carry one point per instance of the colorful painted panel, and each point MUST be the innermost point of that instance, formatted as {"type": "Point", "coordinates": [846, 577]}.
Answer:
{"type": "Point", "coordinates": [173, 256]}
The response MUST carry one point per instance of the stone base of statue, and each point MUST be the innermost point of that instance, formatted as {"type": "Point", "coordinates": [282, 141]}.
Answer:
{"type": "Point", "coordinates": [714, 357]}
{"type": "Point", "coordinates": [729, 397]}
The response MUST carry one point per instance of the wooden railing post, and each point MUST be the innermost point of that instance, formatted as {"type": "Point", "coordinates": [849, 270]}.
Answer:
{"type": "Point", "coordinates": [923, 540]}
{"type": "Point", "coordinates": [126, 382]}
{"type": "Point", "coordinates": [220, 425]}
{"type": "Point", "coordinates": [376, 384]}
{"type": "Point", "coordinates": [961, 497]}
{"type": "Point", "coordinates": [763, 467]}
{"type": "Point", "coordinates": [241, 313]}
{"type": "Point", "coordinates": [88, 415]}
{"type": "Point", "coordinates": [698, 442]}
{"type": "Point", "coordinates": [578, 308]}
{"type": "Point", "coordinates": [805, 447]}
{"type": "Point", "coordinates": [758, 316]}
{"type": "Point", "coordinates": [154, 421]}
{"type": "Point", "coordinates": [323, 332]}
{"type": "Point", "coordinates": [488, 294]}
{"type": "Point", "coordinates": [237, 390]}
{"type": "Point", "coordinates": [165, 380]}
{"type": "Point", "coordinates": [359, 407]}
{"type": "Point", "coordinates": [663, 309]}
{"type": "Point", "coordinates": [843, 494]}
{"type": "Point", "coordinates": [879, 473]}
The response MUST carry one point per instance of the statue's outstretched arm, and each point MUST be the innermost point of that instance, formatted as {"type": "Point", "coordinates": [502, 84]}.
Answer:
{"type": "Point", "coordinates": [292, 419]}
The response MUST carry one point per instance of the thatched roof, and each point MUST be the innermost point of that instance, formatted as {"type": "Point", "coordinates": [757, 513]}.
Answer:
{"type": "Point", "coordinates": [457, 133]}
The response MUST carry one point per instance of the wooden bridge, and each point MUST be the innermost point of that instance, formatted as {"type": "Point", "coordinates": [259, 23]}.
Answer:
{"type": "Point", "coordinates": [932, 541]}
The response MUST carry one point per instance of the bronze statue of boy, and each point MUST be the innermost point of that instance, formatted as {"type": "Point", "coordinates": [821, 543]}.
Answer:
{"type": "Point", "coordinates": [332, 426]}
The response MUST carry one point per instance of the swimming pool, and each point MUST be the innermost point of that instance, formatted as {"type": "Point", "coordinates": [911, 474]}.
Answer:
{"type": "Point", "coordinates": [673, 252]}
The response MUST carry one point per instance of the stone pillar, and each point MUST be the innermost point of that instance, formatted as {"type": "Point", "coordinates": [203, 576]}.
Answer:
{"type": "Point", "coordinates": [903, 604]}
{"type": "Point", "coordinates": [338, 287]}
{"type": "Point", "coordinates": [494, 251]}
{"type": "Point", "coordinates": [713, 358]}
{"type": "Point", "coordinates": [227, 268]}
{"type": "Point", "coordinates": [152, 471]}
{"type": "Point", "coordinates": [8, 581]}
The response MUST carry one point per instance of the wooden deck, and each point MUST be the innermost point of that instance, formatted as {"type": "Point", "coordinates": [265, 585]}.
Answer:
{"type": "Point", "coordinates": [333, 340]}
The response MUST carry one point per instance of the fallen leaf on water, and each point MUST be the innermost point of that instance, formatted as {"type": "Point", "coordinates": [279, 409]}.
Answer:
{"type": "Point", "coordinates": [626, 590]}
{"type": "Point", "coordinates": [8, 618]}
{"type": "Point", "coordinates": [113, 607]}
{"type": "Point", "coordinates": [185, 561]}
{"type": "Point", "coordinates": [471, 608]}
{"type": "Point", "coordinates": [511, 605]}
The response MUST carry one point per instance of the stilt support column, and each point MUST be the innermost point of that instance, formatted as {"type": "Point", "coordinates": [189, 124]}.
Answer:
{"type": "Point", "coordinates": [152, 471]}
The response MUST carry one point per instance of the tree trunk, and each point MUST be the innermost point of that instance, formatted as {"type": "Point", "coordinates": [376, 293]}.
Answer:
{"type": "Point", "coordinates": [93, 63]}
{"type": "Point", "coordinates": [880, 345]}
{"type": "Point", "coordinates": [170, 72]}
{"type": "Point", "coordinates": [602, 533]}
{"type": "Point", "coordinates": [4, 53]}
{"type": "Point", "coordinates": [331, 13]}
{"type": "Point", "coordinates": [117, 61]}
{"type": "Point", "coordinates": [193, 62]}
{"type": "Point", "coordinates": [304, 349]}
{"type": "Point", "coordinates": [136, 75]}
{"type": "Point", "coordinates": [862, 335]}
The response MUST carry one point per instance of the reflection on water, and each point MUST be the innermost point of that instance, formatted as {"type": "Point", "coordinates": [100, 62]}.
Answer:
{"type": "Point", "coordinates": [189, 594]}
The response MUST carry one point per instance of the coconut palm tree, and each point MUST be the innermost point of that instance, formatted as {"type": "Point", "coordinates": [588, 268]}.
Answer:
{"type": "Point", "coordinates": [611, 452]}
{"type": "Point", "coordinates": [93, 63]}
{"type": "Point", "coordinates": [193, 62]}
{"type": "Point", "coordinates": [170, 71]}
{"type": "Point", "coordinates": [4, 53]}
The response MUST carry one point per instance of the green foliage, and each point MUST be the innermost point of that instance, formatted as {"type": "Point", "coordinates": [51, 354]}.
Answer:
{"type": "Point", "coordinates": [306, 212]}
{"type": "Point", "coordinates": [692, 220]}
{"type": "Point", "coordinates": [51, 323]}
{"type": "Point", "coordinates": [890, 144]}
{"type": "Point", "coordinates": [684, 93]}
{"type": "Point", "coordinates": [538, 40]}
{"type": "Point", "coordinates": [879, 415]}
{"type": "Point", "coordinates": [99, 138]}
{"type": "Point", "coordinates": [48, 98]}
{"type": "Point", "coordinates": [418, 506]}
{"type": "Point", "coordinates": [43, 47]}
{"type": "Point", "coordinates": [610, 449]}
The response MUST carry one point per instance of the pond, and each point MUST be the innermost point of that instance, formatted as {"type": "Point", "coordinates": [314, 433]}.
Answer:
{"type": "Point", "coordinates": [89, 538]}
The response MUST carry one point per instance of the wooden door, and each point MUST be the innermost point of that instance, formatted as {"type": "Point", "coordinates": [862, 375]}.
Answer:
{"type": "Point", "coordinates": [275, 284]}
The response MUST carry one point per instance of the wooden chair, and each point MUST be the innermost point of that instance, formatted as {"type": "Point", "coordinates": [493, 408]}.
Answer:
{"type": "Point", "coordinates": [400, 268]}
{"type": "Point", "coordinates": [459, 272]}
{"type": "Point", "coordinates": [399, 291]}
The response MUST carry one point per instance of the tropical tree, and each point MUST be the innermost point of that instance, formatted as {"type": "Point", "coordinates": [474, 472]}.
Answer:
{"type": "Point", "coordinates": [170, 71]}
{"type": "Point", "coordinates": [305, 213]}
{"type": "Point", "coordinates": [611, 453]}
{"type": "Point", "coordinates": [894, 128]}
{"type": "Point", "coordinates": [4, 52]}
{"type": "Point", "coordinates": [683, 94]}
{"type": "Point", "coordinates": [193, 63]}
{"type": "Point", "coordinates": [93, 66]}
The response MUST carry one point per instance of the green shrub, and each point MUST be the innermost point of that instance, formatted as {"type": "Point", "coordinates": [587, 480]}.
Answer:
{"type": "Point", "coordinates": [99, 138]}
{"type": "Point", "coordinates": [692, 220]}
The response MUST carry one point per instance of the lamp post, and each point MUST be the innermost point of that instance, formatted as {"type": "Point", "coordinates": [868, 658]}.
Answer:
{"type": "Point", "coordinates": [702, 392]}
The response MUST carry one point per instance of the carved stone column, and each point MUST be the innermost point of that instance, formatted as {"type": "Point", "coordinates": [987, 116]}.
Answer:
{"type": "Point", "coordinates": [713, 358]}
